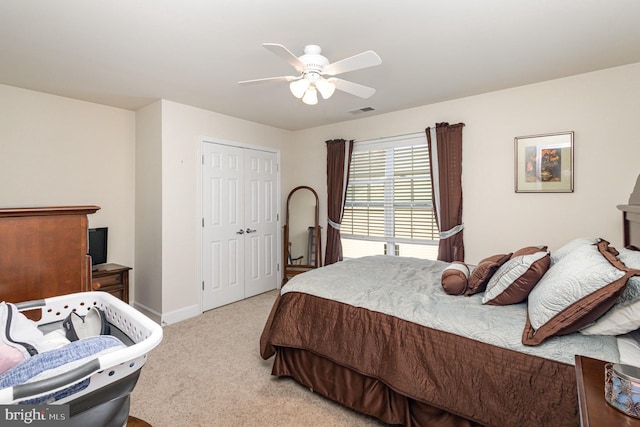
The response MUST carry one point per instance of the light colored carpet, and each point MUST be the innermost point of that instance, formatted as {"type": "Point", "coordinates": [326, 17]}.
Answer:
{"type": "Point", "coordinates": [207, 371]}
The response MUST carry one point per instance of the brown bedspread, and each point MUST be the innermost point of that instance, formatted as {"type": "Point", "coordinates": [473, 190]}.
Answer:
{"type": "Point", "coordinates": [483, 383]}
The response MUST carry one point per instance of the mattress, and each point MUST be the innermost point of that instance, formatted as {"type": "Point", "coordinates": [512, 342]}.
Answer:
{"type": "Point", "coordinates": [409, 289]}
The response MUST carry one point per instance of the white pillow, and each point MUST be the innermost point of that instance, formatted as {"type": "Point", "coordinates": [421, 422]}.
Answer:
{"type": "Point", "coordinates": [632, 293]}
{"type": "Point", "coordinates": [617, 321]}
{"type": "Point", "coordinates": [563, 251]}
{"type": "Point", "coordinates": [574, 292]}
{"type": "Point", "coordinates": [624, 316]}
{"type": "Point", "coordinates": [585, 271]}
{"type": "Point", "coordinates": [629, 346]}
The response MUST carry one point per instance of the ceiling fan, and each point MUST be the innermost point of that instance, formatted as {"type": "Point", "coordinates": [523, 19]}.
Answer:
{"type": "Point", "coordinates": [317, 74]}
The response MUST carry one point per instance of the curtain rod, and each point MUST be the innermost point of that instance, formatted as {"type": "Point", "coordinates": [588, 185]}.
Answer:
{"type": "Point", "coordinates": [405, 135]}
{"type": "Point", "coordinates": [400, 136]}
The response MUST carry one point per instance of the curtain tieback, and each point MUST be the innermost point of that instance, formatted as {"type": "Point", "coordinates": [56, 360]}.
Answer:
{"type": "Point", "coordinates": [335, 225]}
{"type": "Point", "coordinates": [451, 232]}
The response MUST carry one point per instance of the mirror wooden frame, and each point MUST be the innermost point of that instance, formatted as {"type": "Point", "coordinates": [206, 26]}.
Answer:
{"type": "Point", "coordinates": [291, 270]}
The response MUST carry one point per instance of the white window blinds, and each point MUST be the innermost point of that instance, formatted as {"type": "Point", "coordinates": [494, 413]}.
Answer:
{"type": "Point", "coordinates": [389, 192]}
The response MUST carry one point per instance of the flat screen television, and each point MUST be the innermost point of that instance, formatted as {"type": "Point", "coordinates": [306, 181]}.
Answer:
{"type": "Point", "coordinates": [98, 245]}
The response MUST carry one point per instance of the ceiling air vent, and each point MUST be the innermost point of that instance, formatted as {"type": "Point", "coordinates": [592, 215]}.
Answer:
{"type": "Point", "coordinates": [362, 110]}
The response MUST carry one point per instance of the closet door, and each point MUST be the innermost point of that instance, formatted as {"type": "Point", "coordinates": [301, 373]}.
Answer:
{"type": "Point", "coordinates": [239, 223]}
{"type": "Point", "coordinates": [223, 225]}
{"type": "Point", "coordinates": [260, 222]}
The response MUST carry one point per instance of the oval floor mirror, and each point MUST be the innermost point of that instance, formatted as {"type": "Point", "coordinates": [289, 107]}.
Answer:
{"type": "Point", "coordinates": [302, 246]}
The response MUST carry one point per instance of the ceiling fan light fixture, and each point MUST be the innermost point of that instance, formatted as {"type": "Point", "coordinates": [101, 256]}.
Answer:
{"type": "Point", "coordinates": [299, 87]}
{"type": "Point", "coordinates": [316, 73]}
{"type": "Point", "coordinates": [310, 96]}
{"type": "Point", "coordinates": [326, 88]}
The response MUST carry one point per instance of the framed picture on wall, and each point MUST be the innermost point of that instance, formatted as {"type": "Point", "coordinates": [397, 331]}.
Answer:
{"type": "Point", "coordinates": [544, 163]}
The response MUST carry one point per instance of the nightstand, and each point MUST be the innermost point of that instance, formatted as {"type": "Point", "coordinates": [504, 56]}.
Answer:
{"type": "Point", "coordinates": [594, 409]}
{"type": "Point", "coordinates": [111, 278]}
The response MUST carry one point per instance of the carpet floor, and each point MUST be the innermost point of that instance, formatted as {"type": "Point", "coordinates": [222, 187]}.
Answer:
{"type": "Point", "coordinates": [207, 371]}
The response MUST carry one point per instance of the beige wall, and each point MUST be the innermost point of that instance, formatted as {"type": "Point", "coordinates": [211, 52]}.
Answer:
{"type": "Point", "coordinates": [183, 127]}
{"type": "Point", "coordinates": [140, 167]}
{"type": "Point", "coordinates": [58, 151]}
{"type": "Point", "coordinates": [148, 166]}
{"type": "Point", "coordinates": [148, 216]}
{"type": "Point", "coordinates": [601, 108]}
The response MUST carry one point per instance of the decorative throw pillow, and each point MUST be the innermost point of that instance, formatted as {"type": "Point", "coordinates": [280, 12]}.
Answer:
{"type": "Point", "coordinates": [528, 250]}
{"type": "Point", "coordinates": [483, 272]}
{"type": "Point", "coordinates": [455, 278]}
{"type": "Point", "coordinates": [624, 316]}
{"type": "Point", "coordinates": [574, 292]}
{"type": "Point", "coordinates": [573, 244]}
{"type": "Point", "coordinates": [514, 280]}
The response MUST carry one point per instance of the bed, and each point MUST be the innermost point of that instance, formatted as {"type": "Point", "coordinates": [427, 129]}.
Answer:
{"type": "Point", "coordinates": [382, 336]}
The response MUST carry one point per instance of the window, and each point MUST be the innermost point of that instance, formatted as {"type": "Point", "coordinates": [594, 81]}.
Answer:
{"type": "Point", "coordinates": [388, 208]}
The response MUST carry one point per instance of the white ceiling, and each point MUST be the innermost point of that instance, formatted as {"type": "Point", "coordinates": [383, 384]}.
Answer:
{"type": "Point", "coordinates": [129, 53]}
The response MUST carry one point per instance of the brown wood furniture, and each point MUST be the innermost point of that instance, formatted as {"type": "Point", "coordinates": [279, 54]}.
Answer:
{"type": "Point", "coordinates": [136, 422]}
{"type": "Point", "coordinates": [594, 409]}
{"type": "Point", "coordinates": [111, 278]}
{"type": "Point", "coordinates": [631, 217]}
{"type": "Point", "coordinates": [43, 252]}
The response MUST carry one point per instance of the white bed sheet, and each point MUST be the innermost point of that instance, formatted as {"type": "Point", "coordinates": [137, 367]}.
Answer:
{"type": "Point", "coordinates": [629, 348]}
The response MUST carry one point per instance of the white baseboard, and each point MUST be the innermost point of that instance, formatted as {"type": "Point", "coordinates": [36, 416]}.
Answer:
{"type": "Point", "coordinates": [151, 314]}
{"type": "Point", "coordinates": [181, 314]}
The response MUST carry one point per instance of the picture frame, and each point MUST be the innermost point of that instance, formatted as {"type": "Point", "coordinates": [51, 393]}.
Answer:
{"type": "Point", "coordinates": [544, 163]}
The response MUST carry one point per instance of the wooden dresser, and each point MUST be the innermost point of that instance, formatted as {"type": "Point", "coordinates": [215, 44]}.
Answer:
{"type": "Point", "coordinates": [43, 252]}
{"type": "Point", "coordinates": [112, 278]}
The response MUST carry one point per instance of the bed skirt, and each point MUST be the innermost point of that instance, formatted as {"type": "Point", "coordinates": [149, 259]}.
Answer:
{"type": "Point", "coordinates": [404, 373]}
{"type": "Point", "coordinates": [345, 386]}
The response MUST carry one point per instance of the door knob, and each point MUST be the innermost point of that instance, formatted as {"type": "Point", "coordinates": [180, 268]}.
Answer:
{"type": "Point", "coordinates": [240, 232]}
{"type": "Point", "coordinates": [250, 230]}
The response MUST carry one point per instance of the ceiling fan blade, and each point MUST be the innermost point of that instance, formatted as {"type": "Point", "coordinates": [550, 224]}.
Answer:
{"type": "Point", "coordinates": [269, 80]}
{"type": "Point", "coordinates": [285, 54]}
{"type": "Point", "coordinates": [356, 62]}
{"type": "Point", "coordinates": [353, 88]}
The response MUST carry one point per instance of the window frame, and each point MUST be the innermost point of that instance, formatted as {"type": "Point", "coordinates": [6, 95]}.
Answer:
{"type": "Point", "coordinates": [389, 205]}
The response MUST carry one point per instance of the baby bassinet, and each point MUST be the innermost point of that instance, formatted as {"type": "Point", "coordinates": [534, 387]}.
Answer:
{"type": "Point", "coordinates": [105, 382]}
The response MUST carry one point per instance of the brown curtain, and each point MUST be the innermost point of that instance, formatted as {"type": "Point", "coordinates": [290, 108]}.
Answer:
{"type": "Point", "coordinates": [445, 152]}
{"type": "Point", "coordinates": [338, 164]}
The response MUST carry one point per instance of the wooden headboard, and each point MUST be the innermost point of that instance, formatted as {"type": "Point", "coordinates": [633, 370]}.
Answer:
{"type": "Point", "coordinates": [43, 252]}
{"type": "Point", "coordinates": [631, 219]}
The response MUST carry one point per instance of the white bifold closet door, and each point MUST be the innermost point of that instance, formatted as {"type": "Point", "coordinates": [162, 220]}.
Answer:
{"type": "Point", "coordinates": [239, 226]}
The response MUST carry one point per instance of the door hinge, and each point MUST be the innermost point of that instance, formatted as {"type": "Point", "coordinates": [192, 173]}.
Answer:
{"type": "Point", "coordinates": [203, 159]}
{"type": "Point", "coordinates": [203, 285]}
{"type": "Point", "coordinates": [277, 217]}
{"type": "Point", "coordinates": [202, 222]}
{"type": "Point", "coordinates": [277, 267]}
